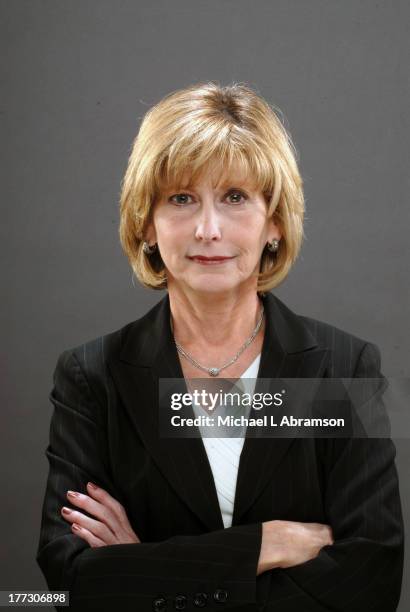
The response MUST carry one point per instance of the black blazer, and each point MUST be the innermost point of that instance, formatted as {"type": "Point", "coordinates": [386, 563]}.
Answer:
{"type": "Point", "coordinates": [104, 428]}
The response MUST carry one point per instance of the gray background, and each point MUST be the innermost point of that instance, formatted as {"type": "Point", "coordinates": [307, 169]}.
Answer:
{"type": "Point", "coordinates": [77, 78]}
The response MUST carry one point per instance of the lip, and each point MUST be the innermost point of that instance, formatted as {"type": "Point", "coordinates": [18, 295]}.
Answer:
{"type": "Point", "coordinates": [216, 259]}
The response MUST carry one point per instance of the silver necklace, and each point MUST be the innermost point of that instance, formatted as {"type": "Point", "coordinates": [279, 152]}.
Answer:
{"type": "Point", "coordinates": [216, 371]}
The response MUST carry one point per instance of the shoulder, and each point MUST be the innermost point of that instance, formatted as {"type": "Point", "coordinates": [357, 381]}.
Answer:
{"type": "Point", "coordinates": [350, 353]}
{"type": "Point", "coordinates": [85, 365]}
{"type": "Point", "coordinates": [96, 352]}
{"type": "Point", "coordinates": [328, 334]}
{"type": "Point", "coordinates": [360, 356]}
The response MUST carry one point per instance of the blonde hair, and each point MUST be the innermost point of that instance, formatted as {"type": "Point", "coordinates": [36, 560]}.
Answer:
{"type": "Point", "coordinates": [188, 130]}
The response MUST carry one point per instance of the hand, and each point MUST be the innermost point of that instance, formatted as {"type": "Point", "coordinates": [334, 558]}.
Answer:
{"type": "Point", "coordinates": [112, 527]}
{"type": "Point", "coordinates": [289, 543]}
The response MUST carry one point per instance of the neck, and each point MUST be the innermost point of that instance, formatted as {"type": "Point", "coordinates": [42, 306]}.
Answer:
{"type": "Point", "coordinates": [211, 321]}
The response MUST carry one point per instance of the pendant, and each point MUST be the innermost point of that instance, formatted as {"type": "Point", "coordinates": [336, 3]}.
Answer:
{"type": "Point", "coordinates": [214, 371]}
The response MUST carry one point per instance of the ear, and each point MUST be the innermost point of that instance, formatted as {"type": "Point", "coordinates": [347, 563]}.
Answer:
{"type": "Point", "coordinates": [274, 229]}
{"type": "Point", "coordinates": [150, 233]}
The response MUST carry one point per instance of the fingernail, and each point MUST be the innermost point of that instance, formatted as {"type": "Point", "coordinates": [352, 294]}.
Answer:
{"type": "Point", "coordinates": [66, 510]}
{"type": "Point", "coordinates": [76, 527]}
{"type": "Point", "coordinates": [73, 493]}
{"type": "Point", "coordinates": [92, 486]}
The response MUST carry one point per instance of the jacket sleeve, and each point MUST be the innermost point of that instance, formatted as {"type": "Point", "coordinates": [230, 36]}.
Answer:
{"type": "Point", "coordinates": [362, 570]}
{"type": "Point", "coordinates": [217, 568]}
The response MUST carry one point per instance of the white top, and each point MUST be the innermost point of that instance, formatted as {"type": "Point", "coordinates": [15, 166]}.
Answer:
{"type": "Point", "coordinates": [224, 454]}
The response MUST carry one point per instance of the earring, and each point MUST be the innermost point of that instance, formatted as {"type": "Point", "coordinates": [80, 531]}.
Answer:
{"type": "Point", "coordinates": [273, 246]}
{"type": "Point", "coordinates": [148, 250]}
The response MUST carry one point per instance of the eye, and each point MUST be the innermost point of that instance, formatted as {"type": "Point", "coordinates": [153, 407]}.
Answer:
{"type": "Point", "coordinates": [182, 198]}
{"type": "Point", "coordinates": [235, 196]}
{"type": "Point", "coordinates": [239, 196]}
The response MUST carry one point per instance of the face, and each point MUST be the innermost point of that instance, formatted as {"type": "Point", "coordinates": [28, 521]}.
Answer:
{"type": "Point", "coordinates": [211, 236]}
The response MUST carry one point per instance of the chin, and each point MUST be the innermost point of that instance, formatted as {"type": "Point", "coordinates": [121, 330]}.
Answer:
{"type": "Point", "coordinates": [212, 285]}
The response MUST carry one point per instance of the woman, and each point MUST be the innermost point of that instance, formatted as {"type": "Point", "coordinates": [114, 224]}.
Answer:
{"type": "Point", "coordinates": [212, 211]}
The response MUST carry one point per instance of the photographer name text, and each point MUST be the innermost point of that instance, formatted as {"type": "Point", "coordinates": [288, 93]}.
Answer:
{"type": "Point", "coordinates": [263, 421]}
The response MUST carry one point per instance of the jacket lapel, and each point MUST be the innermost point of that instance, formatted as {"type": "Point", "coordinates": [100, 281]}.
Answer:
{"type": "Point", "coordinates": [289, 351]}
{"type": "Point", "coordinates": [148, 353]}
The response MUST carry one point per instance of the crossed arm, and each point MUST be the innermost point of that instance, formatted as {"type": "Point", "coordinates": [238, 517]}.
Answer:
{"type": "Point", "coordinates": [284, 543]}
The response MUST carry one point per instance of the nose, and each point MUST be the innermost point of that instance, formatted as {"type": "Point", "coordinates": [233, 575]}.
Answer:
{"type": "Point", "coordinates": [208, 227]}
